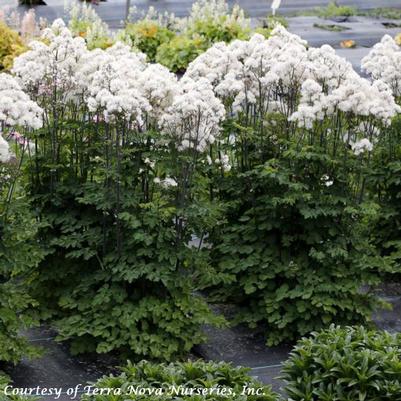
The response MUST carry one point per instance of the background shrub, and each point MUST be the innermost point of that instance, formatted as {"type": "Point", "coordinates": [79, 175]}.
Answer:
{"type": "Point", "coordinates": [343, 364]}
{"type": "Point", "coordinates": [148, 36]}
{"type": "Point", "coordinates": [189, 375]}
{"type": "Point", "coordinates": [11, 46]}
{"type": "Point", "coordinates": [179, 52]}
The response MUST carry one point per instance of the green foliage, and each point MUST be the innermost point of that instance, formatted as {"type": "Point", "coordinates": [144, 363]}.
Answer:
{"type": "Point", "coordinates": [124, 278]}
{"type": "Point", "coordinates": [218, 29]}
{"type": "Point", "coordinates": [175, 44]}
{"type": "Point", "coordinates": [4, 381]}
{"type": "Point", "coordinates": [345, 364]}
{"type": "Point", "coordinates": [382, 12]}
{"type": "Point", "coordinates": [11, 46]}
{"type": "Point", "coordinates": [180, 51]}
{"type": "Point", "coordinates": [331, 10]}
{"type": "Point", "coordinates": [19, 255]}
{"type": "Point", "coordinates": [84, 22]}
{"type": "Point", "coordinates": [384, 182]}
{"type": "Point", "coordinates": [331, 27]}
{"type": "Point", "coordinates": [186, 376]}
{"type": "Point", "coordinates": [292, 254]}
{"type": "Point", "coordinates": [148, 36]}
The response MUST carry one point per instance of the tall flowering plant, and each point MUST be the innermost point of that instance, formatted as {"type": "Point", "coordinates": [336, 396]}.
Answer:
{"type": "Point", "coordinates": [112, 199]}
{"type": "Point", "coordinates": [300, 131]}
{"type": "Point", "coordinates": [382, 64]}
{"type": "Point", "coordinates": [19, 251]}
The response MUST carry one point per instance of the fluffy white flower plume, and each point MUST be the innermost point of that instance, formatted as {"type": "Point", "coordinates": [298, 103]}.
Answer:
{"type": "Point", "coordinates": [257, 71]}
{"type": "Point", "coordinates": [383, 62]}
{"type": "Point", "coordinates": [50, 68]}
{"type": "Point", "coordinates": [194, 117]}
{"type": "Point", "coordinates": [159, 86]}
{"type": "Point", "coordinates": [352, 94]}
{"type": "Point", "coordinates": [114, 90]}
{"type": "Point", "coordinates": [16, 108]}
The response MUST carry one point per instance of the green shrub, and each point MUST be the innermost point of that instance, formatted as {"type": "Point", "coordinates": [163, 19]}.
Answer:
{"type": "Point", "coordinates": [188, 376]}
{"type": "Point", "coordinates": [20, 254]}
{"type": "Point", "coordinates": [331, 10]}
{"type": "Point", "coordinates": [85, 22]}
{"type": "Point", "coordinates": [291, 254]}
{"type": "Point", "coordinates": [11, 46]}
{"type": "Point", "coordinates": [221, 29]}
{"type": "Point", "coordinates": [385, 184]}
{"type": "Point", "coordinates": [382, 12]}
{"type": "Point", "coordinates": [148, 36]}
{"type": "Point", "coordinates": [179, 52]}
{"type": "Point", "coordinates": [125, 279]}
{"type": "Point", "coordinates": [126, 282]}
{"type": "Point", "coordinates": [345, 364]}
{"type": "Point", "coordinates": [334, 10]}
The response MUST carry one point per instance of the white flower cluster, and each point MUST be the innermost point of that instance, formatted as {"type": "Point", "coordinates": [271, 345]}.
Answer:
{"type": "Point", "coordinates": [113, 86]}
{"type": "Point", "coordinates": [354, 95]}
{"type": "Point", "coordinates": [281, 74]}
{"type": "Point", "coordinates": [118, 83]}
{"type": "Point", "coordinates": [383, 62]}
{"type": "Point", "coordinates": [259, 71]}
{"type": "Point", "coordinates": [194, 116]}
{"type": "Point", "coordinates": [214, 10]}
{"type": "Point", "coordinates": [16, 108]}
{"type": "Point", "coordinates": [49, 69]}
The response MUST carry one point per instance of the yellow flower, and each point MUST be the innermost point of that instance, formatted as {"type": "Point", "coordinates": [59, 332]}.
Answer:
{"type": "Point", "coordinates": [348, 44]}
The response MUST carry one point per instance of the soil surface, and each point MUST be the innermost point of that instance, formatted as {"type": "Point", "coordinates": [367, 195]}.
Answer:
{"type": "Point", "coordinates": [239, 345]}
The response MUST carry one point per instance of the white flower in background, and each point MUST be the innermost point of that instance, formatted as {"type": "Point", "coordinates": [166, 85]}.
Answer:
{"type": "Point", "coordinates": [193, 119]}
{"type": "Point", "coordinates": [383, 62]}
{"type": "Point", "coordinates": [216, 11]}
{"type": "Point", "coordinates": [4, 150]}
{"type": "Point", "coordinates": [275, 6]}
{"type": "Point", "coordinates": [361, 146]}
{"type": "Point", "coordinates": [16, 108]}
{"type": "Point", "coordinates": [359, 97]}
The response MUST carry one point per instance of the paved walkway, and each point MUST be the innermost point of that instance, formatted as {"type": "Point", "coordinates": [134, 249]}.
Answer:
{"type": "Point", "coordinates": [114, 11]}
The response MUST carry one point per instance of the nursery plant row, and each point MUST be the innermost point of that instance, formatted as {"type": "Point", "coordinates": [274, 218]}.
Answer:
{"type": "Point", "coordinates": [278, 157]}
